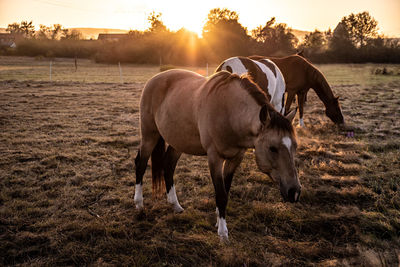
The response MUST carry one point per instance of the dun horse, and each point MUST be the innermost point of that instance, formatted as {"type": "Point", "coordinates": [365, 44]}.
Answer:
{"type": "Point", "coordinates": [300, 75]}
{"type": "Point", "coordinates": [264, 73]}
{"type": "Point", "coordinates": [219, 117]}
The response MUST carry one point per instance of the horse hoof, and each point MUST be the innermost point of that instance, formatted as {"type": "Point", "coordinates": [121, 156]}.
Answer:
{"type": "Point", "coordinates": [178, 208]}
{"type": "Point", "coordinates": [138, 202]}
{"type": "Point", "coordinates": [224, 239]}
{"type": "Point", "coordinates": [139, 206]}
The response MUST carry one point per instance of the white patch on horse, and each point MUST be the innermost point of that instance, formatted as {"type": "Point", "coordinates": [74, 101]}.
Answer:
{"type": "Point", "coordinates": [236, 65]}
{"type": "Point", "coordinates": [138, 198]}
{"type": "Point", "coordinates": [287, 142]}
{"type": "Point", "coordinates": [171, 198]}
{"type": "Point", "coordinates": [276, 84]}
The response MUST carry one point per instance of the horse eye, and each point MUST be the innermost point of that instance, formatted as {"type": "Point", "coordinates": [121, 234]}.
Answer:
{"type": "Point", "coordinates": [273, 149]}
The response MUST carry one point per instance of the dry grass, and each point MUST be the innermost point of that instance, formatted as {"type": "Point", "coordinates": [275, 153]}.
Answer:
{"type": "Point", "coordinates": [67, 183]}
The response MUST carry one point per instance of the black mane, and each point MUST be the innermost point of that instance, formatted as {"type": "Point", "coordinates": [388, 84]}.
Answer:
{"type": "Point", "coordinates": [277, 120]}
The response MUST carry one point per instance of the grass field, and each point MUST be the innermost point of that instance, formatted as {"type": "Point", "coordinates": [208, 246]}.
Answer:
{"type": "Point", "coordinates": [67, 179]}
{"type": "Point", "coordinates": [63, 70]}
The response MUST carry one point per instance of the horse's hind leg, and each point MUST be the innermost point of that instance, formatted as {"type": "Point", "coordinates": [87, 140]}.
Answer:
{"type": "Point", "coordinates": [146, 147]}
{"type": "Point", "coordinates": [171, 159]}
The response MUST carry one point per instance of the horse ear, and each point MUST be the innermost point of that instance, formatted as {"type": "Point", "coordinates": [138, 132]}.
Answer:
{"type": "Point", "coordinates": [264, 114]}
{"type": "Point", "coordinates": [291, 114]}
{"type": "Point", "coordinates": [337, 98]}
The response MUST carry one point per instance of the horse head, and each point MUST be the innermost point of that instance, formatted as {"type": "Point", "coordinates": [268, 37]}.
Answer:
{"type": "Point", "coordinates": [334, 112]}
{"type": "Point", "coordinates": [275, 148]}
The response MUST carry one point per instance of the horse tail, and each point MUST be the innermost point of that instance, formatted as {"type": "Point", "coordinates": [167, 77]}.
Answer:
{"type": "Point", "coordinates": [157, 168]}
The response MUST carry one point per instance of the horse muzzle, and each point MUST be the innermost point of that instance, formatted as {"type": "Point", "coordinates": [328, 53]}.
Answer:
{"type": "Point", "coordinates": [292, 194]}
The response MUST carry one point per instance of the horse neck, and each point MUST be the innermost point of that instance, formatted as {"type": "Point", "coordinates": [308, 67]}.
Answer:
{"type": "Point", "coordinates": [320, 85]}
{"type": "Point", "coordinates": [243, 117]}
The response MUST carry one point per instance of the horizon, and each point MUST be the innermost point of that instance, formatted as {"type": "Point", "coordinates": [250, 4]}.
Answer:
{"type": "Point", "coordinates": [127, 15]}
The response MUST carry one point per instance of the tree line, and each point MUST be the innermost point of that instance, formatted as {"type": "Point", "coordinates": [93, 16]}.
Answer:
{"type": "Point", "coordinates": [354, 39]}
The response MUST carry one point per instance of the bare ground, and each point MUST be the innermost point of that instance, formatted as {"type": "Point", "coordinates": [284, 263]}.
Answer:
{"type": "Point", "coordinates": [67, 183]}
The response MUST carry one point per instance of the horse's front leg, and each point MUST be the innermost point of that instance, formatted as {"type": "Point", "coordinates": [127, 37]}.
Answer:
{"type": "Point", "coordinates": [229, 168]}
{"type": "Point", "coordinates": [215, 163]}
{"type": "Point", "coordinates": [289, 100]}
{"type": "Point", "coordinates": [171, 159]}
{"type": "Point", "coordinates": [222, 173]}
{"type": "Point", "coordinates": [301, 97]}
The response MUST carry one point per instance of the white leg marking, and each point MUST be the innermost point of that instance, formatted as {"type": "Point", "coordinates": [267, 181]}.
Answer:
{"type": "Point", "coordinates": [287, 142]}
{"type": "Point", "coordinates": [301, 122]}
{"type": "Point", "coordinates": [222, 229]}
{"type": "Point", "coordinates": [138, 198]}
{"type": "Point", "coordinates": [171, 198]}
{"type": "Point", "coordinates": [217, 212]}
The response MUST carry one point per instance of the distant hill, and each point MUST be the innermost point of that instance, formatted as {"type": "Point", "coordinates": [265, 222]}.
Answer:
{"type": "Point", "coordinates": [93, 33]}
{"type": "Point", "coordinates": [3, 30]}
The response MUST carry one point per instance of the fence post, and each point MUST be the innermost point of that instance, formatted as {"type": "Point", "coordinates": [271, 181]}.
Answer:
{"type": "Point", "coordinates": [51, 62]}
{"type": "Point", "coordinates": [120, 72]}
{"type": "Point", "coordinates": [76, 64]}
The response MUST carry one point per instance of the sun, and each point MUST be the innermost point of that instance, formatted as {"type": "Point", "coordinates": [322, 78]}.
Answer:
{"type": "Point", "coordinates": [193, 22]}
{"type": "Point", "coordinates": [194, 27]}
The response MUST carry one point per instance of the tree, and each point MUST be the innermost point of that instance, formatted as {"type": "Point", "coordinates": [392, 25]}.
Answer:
{"type": "Point", "coordinates": [71, 34]}
{"type": "Point", "coordinates": [25, 28]}
{"type": "Point", "coordinates": [315, 41]}
{"type": "Point", "coordinates": [360, 28]}
{"type": "Point", "coordinates": [224, 35]}
{"type": "Point", "coordinates": [44, 32]}
{"type": "Point", "coordinates": [156, 24]}
{"type": "Point", "coordinates": [274, 37]}
{"type": "Point", "coordinates": [217, 15]}
{"type": "Point", "coordinates": [56, 31]}
{"type": "Point", "coordinates": [14, 28]}
{"type": "Point", "coordinates": [341, 40]}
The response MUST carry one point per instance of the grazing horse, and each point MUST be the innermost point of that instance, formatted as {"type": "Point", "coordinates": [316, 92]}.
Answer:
{"type": "Point", "coordinates": [219, 117]}
{"type": "Point", "coordinates": [300, 75]}
{"type": "Point", "coordinates": [264, 73]}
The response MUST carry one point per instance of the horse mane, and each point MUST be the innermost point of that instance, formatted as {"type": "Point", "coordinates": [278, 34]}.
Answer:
{"type": "Point", "coordinates": [245, 83]}
{"type": "Point", "coordinates": [321, 85]}
{"type": "Point", "coordinates": [277, 120]}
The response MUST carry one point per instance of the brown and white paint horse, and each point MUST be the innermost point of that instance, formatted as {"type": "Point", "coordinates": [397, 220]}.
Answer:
{"type": "Point", "coordinates": [220, 117]}
{"type": "Point", "coordinates": [300, 75]}
{"type": "Point", "coordinates": [264, 73]}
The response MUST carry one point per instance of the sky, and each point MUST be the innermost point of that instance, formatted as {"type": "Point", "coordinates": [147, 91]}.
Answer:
{"type": "Point", "coordinates": [305, 15]}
